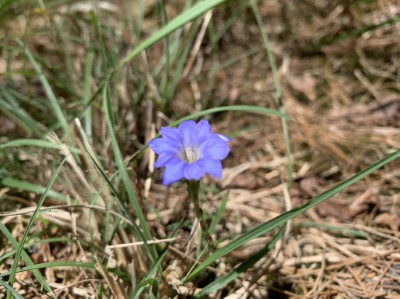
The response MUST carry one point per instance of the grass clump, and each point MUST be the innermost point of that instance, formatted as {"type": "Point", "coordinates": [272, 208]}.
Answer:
{"type": "Point", "coordinates": [308, 202]}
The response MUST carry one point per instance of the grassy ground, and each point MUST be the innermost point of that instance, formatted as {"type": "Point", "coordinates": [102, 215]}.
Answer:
{"type": "Point", "coordinates": [309, 92]}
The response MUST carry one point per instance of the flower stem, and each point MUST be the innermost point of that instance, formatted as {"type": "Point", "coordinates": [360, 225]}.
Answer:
{"type": "Point", "coordinates": [193, 189]}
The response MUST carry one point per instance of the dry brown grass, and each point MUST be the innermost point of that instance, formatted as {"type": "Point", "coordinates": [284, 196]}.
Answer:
{"type": "Point", "coordinates": [341, 90]}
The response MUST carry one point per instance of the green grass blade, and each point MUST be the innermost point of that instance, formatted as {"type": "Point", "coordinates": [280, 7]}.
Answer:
{"type": "Point", "coordinates": [55, 264]}
{"type": "Point", "coordinates": [187, 16]}
{"type": "Point", "coordinates": [16, 103]}
{"type": "Point", "coordinates": [36, 143]}
{"type": "Point", "coordinates": [282, 219]}
{"type": "Point", "coordinates": [87, 94]}
{"type": "Point", "coordinates": [182, 58]}
{"type": "Point", "coordinates": [223, 281]}
{"type": "Point", "coordinates": [3, 6]}
{"type": "Point", "coordinates": [25, 257]}
{"type": "Point", "coordinates": [278, 89]}
{"type": "Point", "coordinates": [167, 56]}
{"type": "Point", "coordinates": [360, 31]}
{"type": "Point", "coordinates": [124, 173]}
{"type": "Point", "coordinates": [47, 88]}
{"type": "Point", "coordinates": [148, 280]}
{"type": "Point", "coordinates": [181, 20]}
{"type": "Point", "coordinates": [335, 229]}
{"type": "Point", "coordinates": [139, 21]}
{"type": "Point", "coordinates": [9, 254]}
{"type": "Point", "coordinates": [10, 289]}
{"type": "Point", "coordinates": [29, 226]}
{"type": "Point", "coordinates": [24, 99]}
{"type": "Point", "coordinates": [20, 116]}
{"type": "Point", "coordinates": [151, 273]}
{"type": "Point", "coordinates": [141, 286]}
{"type": "Point", "coordinates": [17, 184]}
{"type": "Point", "coordinates": [218, 216]}
{"type": "Point", "coordinates": [241, 108]}
{"type": "Point", "coordinates": [125, 210]}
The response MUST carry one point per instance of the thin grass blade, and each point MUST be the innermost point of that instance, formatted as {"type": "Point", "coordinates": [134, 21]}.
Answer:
{"type": "Point", "coordinates": [10, 289]}
{"type": "Point", "coordinates": [87, 94]}
{"type": "Point", "coordinates": [18, 184]}
{"type": "Point", "coordinates": [125, 210]}
{"type": "Point", "coordinates": [278, 89]}
{"type": "Point", "coordinates": [30, 224]}
{"type": "Point", "coordinates": [187, 16]}
{"type": "Point", "coordinates": [55, 264]}
{"type": "Point", "coordinates": [4, 5]}
{"type": "Point", "coordinates": [20, 116]}
{"type": "Point", "coordinates": [218, 215]}
{"type": "Point", "coordinates": [181, 20]}
{"type": "Point", "coordinates": [36, 143]}
{"type": "Point", "coordinates": [38, 275]}
{"type": "Point", "coordinates": [223, 281]}
{"type": "Point", "coordinates": [282, 219]}
{"type": "Point", "coordinates": [47, 88]}
{"type": "Point", "coordinates": [124, 173]}
{"type": "Point", "coordinates": [241, 108]}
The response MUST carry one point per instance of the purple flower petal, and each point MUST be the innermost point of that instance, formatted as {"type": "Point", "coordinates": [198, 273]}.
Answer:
{"type": "Point", "coordinates": [224, 138]}
{"type": "Point", "coordinates": [162, 160]}
{"type": "Point", "coordinates": [161, 145]}
{"type": "Point", "coordinates": [213, 167]}
{"type": "Point", "coordinates": [173, 171]}
{"type": "Point", "coordinates": [203, 130]}
{"type": "Point", "coordinates": [190, 151]}
{"type": "Point", "coordinates": [187, 130]}
{"type": "Point", "coordinates": [172, 133]}
{"type": "Point", "coordinates": [215, 148]}
{"type": "Point", "coordinates": [193, 171]}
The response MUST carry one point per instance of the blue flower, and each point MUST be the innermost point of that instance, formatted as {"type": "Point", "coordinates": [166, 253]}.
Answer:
{"type": "Point", "coordinates": [190, 151]}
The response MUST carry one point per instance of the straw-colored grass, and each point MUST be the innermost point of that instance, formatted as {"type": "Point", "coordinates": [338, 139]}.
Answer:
{"type": "Point", "coordinates": [308, 206]}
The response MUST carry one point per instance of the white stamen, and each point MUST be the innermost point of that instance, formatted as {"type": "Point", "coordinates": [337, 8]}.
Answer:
{"type": "Point", "coordinates": [190, 154]}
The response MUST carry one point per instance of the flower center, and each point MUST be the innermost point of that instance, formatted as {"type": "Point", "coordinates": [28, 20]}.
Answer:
{"type": "Point", "coordinates": [190, 154]}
